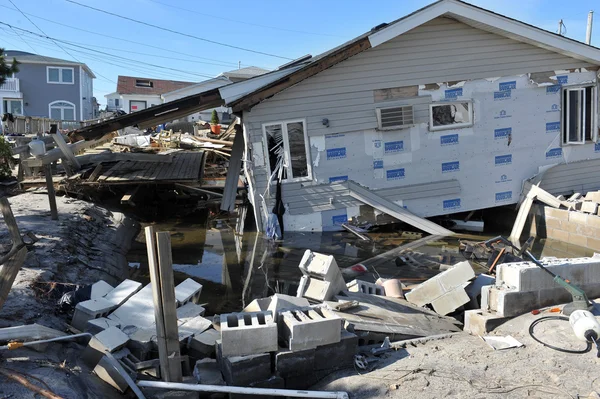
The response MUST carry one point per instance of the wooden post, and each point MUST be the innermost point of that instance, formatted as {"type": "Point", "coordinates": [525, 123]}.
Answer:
{"type": "Point", "coordinates": [51, 192]}
{"type": "Point", "coordinates": [163, 293]}
{"type": "Point", "coordinates": [9, 270]}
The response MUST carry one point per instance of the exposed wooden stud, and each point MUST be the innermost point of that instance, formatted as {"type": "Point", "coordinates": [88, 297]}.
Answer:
{"type": "Point", "coordinates": [9, 271]}
{"type": "Point", "coordinates": [169, 307]}
{"type": "Point", "coordinates": [64, 148]}
{"type": "Point", "coordinates": [51, 192]}
{"type": "Point", "coordinates": [233, 172]}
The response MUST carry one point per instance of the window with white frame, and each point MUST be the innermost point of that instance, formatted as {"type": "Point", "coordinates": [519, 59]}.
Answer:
{"type": "Point", "coordinates": [395, 117]}
{"type": "Point", "coordinates": [12, 106]}
{"type": "Point", "coordinates": [288, 155]}
{"type": "Point", "coordinates": [450, 115]}
{"type": "Point", "coordinates": [59, 75]}
{"type": "Point", "coordinates": [579, 115]}
{"type": "Point", "coordinates": [116, 102]}
{"type": "Point", "coordinates": [62, 110]}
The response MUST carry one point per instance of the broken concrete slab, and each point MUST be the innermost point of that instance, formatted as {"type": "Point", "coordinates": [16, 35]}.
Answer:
{"type": "Point", "coordinates": [188, 290]}
{"type": "Point", "coordinates": [248, 333]}
{"type": "Point", "coordinates": [122, 292]}
{"type": "Point", "coordinates": [189, 310]}
{"type": "Point", "coordinates": [589, 207]}
{"type": "Point", "coordinates": [308, 328]}
{"type": "Point", "coordinates": [100, 324]}
{"type": "Point", "coordinates": [100, 289]}
{"type": "Point", "coordinates": [142, 342]}
{"type": "Point", "coordinates": [474, 288]}
{"type": "Point", "coordinates": [109, 340]}
{"type": "Point", "coordinates": [280, 302]}
{"type": "Point", "coordinates": [193, 325]}
{"type": "Point", "coordinates": [89, 310]}
{"type": "Point", "coordinates": [441, 284]}
{"type": "Point", "coordinates": [107, 372]}
{"type": "Point", "coordinates": [365, 287]}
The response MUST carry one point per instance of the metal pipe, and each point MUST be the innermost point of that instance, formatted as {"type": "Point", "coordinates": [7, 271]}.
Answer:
{"type": "Point", "coordinates": [588, 34]}
{"type": "Point", "coordinates": [178, 386]}
{"type": "Point", "coordinates": [16, 345]}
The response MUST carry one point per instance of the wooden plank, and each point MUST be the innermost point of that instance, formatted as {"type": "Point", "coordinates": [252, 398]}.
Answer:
{"type": "Point", "coordinates": [199, 190]}
{"type": "Point", "coordinates": [394, 210]}
{"type": "Point", "coordinates": [8, 273]}
{"type": "Point", "coordinates": [51, 192]}
{"type": "Point", "coordinates": [94, 175]}
{"type": "Point", "coordinates": [129, 156]}
{"type": "Point", "coordinates": [127, 199]}
{"type": "Point", "coordinates": [169, 304]}
{"type": "Point", "coordinates": [55, 154]}
{"type": "Point", "coordinates": [153, 266]}
{"type": "Point", "coordinates": [233, 174]}
{"type": "Point", "coordinates": [70, 157]}
{"type": "Point", "coordinates": [109, 172]}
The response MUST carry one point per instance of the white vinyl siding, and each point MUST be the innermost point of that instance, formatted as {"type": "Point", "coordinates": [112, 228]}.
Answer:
{"type": "Point", "coordinates": [60, 75]}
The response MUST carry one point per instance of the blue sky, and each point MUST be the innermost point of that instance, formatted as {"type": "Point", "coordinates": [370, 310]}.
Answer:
{"type": "Point", "coordinates": [287, 29]}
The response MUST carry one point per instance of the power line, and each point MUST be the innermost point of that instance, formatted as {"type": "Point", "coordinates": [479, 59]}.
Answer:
{"type": "Point", "coordinates": [243, 22]}
{"type": "Point", "coordinates": [224, 63]}
{"type": "Point", "coordinates": [134, 66]}
{"type": "Point", "coordinates": [59, 46]}
{"type": "Point", "coordinates": [177, 32]}
{"type": "Point", "coordinates": [105, 53]}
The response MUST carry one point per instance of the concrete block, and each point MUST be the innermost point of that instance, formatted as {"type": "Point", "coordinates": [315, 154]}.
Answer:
{"type": "Point", "coordinates": [207, 372]}
{"type": "Point", "coordinates": [554, 223]}
{"type": "Point", "coordinates": [89, 310]}
{"type": "Point", "coordinates": [310, 327]}
{"type": "Point", "coordinates": [480, 322]}
{"type": "Point", "coordinates": [560, 214]}
{"type": "Point", "coordinates": [258, 305]}
{"type": "Point", "coordinates": [578, 217]}
{"type": "Point", "coordinates": [193, 325]}
{"type": "Point", "coordinates": [526, 276]}
{"type": "Point", "coordinates": [450, 301]}
{"type": "Point", "coordinates": [318, 290]}
{"type": "Point", "coordinates": [245, 370]}
{"type": "Point", "coordinates": [318, 265]}
{"type": "Point", "coordinates": [556, 234]}
{"type": "Point", "coordinates": [99, 289]}
{"type": "Point", "coordinates": [142, 343]}
{"type": "Point", "coordinates": [337, 355]}
{"type": "Point", "coordinates": [138, 309]}
{"type": "Point", "coordinates": [593, 221]}
{"type": "Point", "coordinates": [203, 344]}
{"type": "Point", "coordinates": [98, 325]}
{"type": "Point", "coordinates": [107, 371]}
{"type": "Point", "coordinates": [474, 288]}
{"type": "Point", "coordinates": [589, 207]}
{"type": "Point", "coordinates": [593, 196]}
{"type": "Point", "coordinates": [248, 333]}
{"type": "Point", "coordinates": [289, 363]}
{"type": "Point", "coordinates": [122, 292]}
{"type": "Point", "coordinates": [280, 302]}
{"type": "Point", "coordinates": [189, 310]}
{"type": "Point", "coordinates": [441, 284]}
{"type": "Point", "coordinates": [109, 340]}
{"type": "Point", "coordinates": [577, 239]}
{"type": "Point", "coordinates": [365, 287]}
{"type": "Point", "coordinates": [188, 290]}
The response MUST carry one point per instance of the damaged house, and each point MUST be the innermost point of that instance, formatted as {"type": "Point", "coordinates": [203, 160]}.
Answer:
{"type": "Point", "coordinates": [448, 109]}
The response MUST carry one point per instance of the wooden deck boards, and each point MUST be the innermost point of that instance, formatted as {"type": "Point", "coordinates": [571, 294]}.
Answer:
{"type": "Point", "coordinates": [185, 166]}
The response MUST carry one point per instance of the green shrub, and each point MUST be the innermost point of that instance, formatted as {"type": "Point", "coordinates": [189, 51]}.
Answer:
{"type": "Point", "coordinates": [6, 159]}
{"type": "Point", "coordinates": [214, 118]}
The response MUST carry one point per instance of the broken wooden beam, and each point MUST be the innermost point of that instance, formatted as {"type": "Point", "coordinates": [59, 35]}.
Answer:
{"type": "Point", "coordinates": [64, 148]}
{"type": "Point", "coordinates": [51, 192]}
{"type": "Point", "coordinates": [214, 141]}
{"type": "Point", "coordinates": [233, 173]}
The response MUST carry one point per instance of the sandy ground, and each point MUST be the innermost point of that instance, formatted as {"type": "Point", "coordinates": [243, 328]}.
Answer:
{"type": "Point", "coordinates": [86, 244]}
{"type": "Point", "coordinates": [464, 366]}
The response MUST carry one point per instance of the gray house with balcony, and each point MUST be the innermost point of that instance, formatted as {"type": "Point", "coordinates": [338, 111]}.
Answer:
{"type": "Point", "coordinates": [48, 87]}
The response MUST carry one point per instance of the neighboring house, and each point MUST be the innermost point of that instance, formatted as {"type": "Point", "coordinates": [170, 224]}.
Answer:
{"type": "Point", "coordinates": [135, 94]}
{"type": "Point", "coordinates": [225, 78]}
{"type": "Point", "coordinates": [448, 109]}
{"type": "Point", "coordinates": [48, 87]}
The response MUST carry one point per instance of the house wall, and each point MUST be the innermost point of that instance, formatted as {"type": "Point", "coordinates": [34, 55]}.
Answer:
{"type": "Point", "coordinates": [38, 94]}
{"type": "Point", "coordinates": [151, 100]}
{"type": "Point", "coordinates": [447, 60]}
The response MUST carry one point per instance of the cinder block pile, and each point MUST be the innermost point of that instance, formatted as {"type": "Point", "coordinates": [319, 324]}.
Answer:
{"type": "Point", "coordinates": [321, 277]}
{"type": "Point", "coordinates": [289, 344]}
